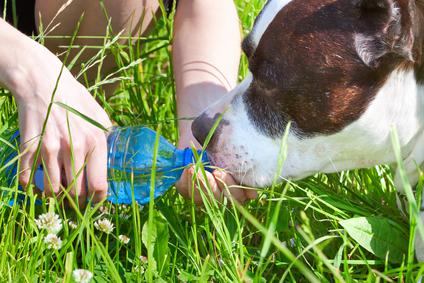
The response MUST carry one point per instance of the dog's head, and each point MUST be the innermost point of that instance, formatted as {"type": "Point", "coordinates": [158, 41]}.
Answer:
{"type": "Point", "coordinates": [343, 72]}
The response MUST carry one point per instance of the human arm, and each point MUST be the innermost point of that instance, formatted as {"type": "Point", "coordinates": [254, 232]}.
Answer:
{"type": "Point", "coordinates": [206, 54]}
{"type": "Point", "coordinates": [30, 72]}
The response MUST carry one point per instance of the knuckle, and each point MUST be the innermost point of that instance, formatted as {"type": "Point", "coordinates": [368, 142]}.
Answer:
{"type": "Point", "coordinates": [75, 146]}
{"type": "Point", "coordinates": [96, 140]}
{"type": "Point", "coordinates": [50, 148]}
{"type": "Point", "coordinates": [99, 138]}
{"type": "Point", "coordinates": [91, 138]}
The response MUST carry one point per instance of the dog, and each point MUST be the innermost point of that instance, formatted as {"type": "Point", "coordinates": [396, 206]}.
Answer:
{"type": "Point", "coordinates": [343, 73]}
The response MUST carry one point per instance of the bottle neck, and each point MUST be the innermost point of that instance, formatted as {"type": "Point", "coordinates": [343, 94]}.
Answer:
{"type": "Point", "coordinates": [189, 157]}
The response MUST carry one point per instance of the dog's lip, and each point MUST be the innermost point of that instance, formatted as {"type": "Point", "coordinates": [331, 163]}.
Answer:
{"type": "Point", "coordinates": [243, 177]}
{"type": "Point", "coordinates": [237, 174]}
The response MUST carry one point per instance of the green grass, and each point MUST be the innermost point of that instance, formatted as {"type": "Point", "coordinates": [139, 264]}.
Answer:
{"type": "Point", "coordinates": [294, 232]}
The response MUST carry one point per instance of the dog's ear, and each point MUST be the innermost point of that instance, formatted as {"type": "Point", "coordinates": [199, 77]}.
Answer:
{"type": "Point", "coordinates": [388, 29]}
{"type": "Point", "coordinates": [372, 5]}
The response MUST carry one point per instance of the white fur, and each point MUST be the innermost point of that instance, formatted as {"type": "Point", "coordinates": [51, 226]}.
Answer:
{"type": "Point", "coordinates": [257, 154]}
{"type": "Point", "coordinates": [272, 8]}
{"type": "Point", "coordinates": [364, 143]}
{"type": "Point", "coordinates": [253, 157]}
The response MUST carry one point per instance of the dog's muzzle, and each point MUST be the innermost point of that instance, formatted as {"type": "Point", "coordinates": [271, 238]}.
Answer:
{"type": "Point", "coordinates": [202, 126]}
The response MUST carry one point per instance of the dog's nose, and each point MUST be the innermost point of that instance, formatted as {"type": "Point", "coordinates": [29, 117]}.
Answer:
{"type": "Point", "coordinates": [202, 125]}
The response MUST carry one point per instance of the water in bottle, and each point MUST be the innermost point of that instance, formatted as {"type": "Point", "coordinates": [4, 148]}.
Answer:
{"type": "Point", "coordinates": [130, 159]}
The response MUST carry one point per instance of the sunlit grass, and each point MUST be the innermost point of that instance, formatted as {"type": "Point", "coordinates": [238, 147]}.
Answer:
{"type": "Point", "coordinates": [291, 233]}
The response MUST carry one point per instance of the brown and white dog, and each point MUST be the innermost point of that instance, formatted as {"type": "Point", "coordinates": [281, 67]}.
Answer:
{"type": "Point", "coordinates": [344, 72]}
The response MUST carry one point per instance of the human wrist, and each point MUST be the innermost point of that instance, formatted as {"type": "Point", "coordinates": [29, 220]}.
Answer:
{"type": "Point", "coordinates": [23, 75]}
{"type": "Point", "coordinates": [20, 62]}
{"type": "Point", "coordinates": [186, 138]}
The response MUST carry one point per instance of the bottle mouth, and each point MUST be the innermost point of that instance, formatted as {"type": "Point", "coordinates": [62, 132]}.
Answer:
{"type": "Point", "coordinates": [189, 158]}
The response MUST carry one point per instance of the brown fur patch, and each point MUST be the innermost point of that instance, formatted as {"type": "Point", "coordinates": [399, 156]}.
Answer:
{"type": "Point", "coordinates": [307, 70]}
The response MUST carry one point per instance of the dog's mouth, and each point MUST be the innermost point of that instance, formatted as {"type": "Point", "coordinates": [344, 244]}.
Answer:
{"type": "Point", "coordinates": [240, 170]}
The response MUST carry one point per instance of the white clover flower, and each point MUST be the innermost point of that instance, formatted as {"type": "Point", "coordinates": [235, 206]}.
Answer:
{"type": "Point", "coordinates": [104, 209]}
{"type": "Point", "coordinates": [82, 275]}
{"type": "Point", "coordinates": [143, 259]}
{"type": "Point", "coordinates": [53, 242]}
{"type": "Point", "coordinates": [72, 224]}
{"type": "Point", "coordinates": [49, 221]}
{"type": "Point", "coordinates": [124, 239]}
{"type": "Point", "coordinates": [138, 268]}
{"type": "Point", "coordinates": [124, 216]}
{"type": "Point", "coordinates": [104, 225]}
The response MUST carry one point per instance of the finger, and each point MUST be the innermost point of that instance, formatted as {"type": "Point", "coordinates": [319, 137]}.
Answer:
{"type": "Point", "coordinates": [97, 170]}
{"type": "Point", "coordinates": [29, 139]}
{"type": "Point", "coordinates": [205, 186]}
{"type": "Point", "coordinates": [52, 169]}
{"type": "Point", "coordinates": [251, 193]}
{"type": "Point", "coordinates": [26, 163]}
{"type": "Point", "coordinates": [227, 185]}
{"type": "Point", "coordinates": [75, 176]}
{"type": "Point", "coordinates": [182, 184]}
{"type": "Point", "coordinates": [190, 186]}
{"type": "Point", "coordinates": [186, 189]}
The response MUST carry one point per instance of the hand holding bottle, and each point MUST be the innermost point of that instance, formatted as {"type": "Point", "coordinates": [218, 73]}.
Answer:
{"type": "Point", "coordinates": [221, 183]}
{"type": "Point", "coordinates": [30, 72]}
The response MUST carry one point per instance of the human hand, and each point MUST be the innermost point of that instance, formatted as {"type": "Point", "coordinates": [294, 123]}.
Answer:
{"type": "Point", "coordinates": [69, 142]}
{"type": "Point", "coordinates": [221, 184]}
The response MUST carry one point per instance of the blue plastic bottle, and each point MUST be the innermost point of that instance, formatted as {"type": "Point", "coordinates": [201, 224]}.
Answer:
{"type": "Point", "coordinates": [130, 159]}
